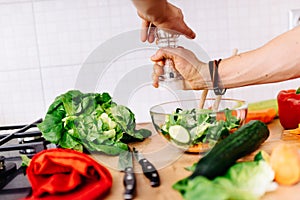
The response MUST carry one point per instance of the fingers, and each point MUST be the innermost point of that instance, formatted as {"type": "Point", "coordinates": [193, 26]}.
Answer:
{"type": "Point", "coordinates": [151, 34]}
{"type": "Point", "coordinates": [159, 55]}
{"type": "Point", "coordinates": [183, 29]}
{"type": "Point", "coordinates": [147, 32]}
{"type": "Point", "coordinates": [155, 79]}
{"type": "Point", "coordinates": [180, 25]}
{"type": "Point", "coordinates": [164, 53]}
{"type": "Point", "coordinates": [144, 31]}
{"type": "Point", "coordinates": [187, 31]}
{"type": "Point", "coordinates": [157, 71]}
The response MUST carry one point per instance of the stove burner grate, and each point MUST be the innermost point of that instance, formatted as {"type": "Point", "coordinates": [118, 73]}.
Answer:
{"type": "Point", "coordinates": [24, 140]}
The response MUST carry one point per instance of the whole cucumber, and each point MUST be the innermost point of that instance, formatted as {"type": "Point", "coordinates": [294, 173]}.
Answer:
{"type": "Point", "coordinates": [224, 154]}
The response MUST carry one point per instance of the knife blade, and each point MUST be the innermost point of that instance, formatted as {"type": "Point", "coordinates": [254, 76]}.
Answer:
{"type": "Point", "coordinates": [148, 168]}
{"type": "Point", "coordinates": [129, 181]}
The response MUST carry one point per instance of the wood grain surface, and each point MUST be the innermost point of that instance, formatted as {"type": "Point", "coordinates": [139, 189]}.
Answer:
{"type": "Point", "coordinates": [171, 163]}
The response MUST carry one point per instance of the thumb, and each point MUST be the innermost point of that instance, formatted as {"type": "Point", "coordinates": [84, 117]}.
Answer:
{"type": "Point", "coordinates": [187, 31]}
{"type": "Point", "coordinates": [166, 52]}
{"type": "Point", "coordinates": [161, 54]}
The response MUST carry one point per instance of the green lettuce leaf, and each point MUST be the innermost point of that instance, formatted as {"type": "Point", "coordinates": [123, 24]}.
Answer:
{"type": "Point", "coordinates": [243, 181]}
{"type": "Point", "coordinates": [93, 121]}
{"type": "Point", "coordinates": [126, 120]}
{"type": "Point", "coordinates": [202, 124]}
{"type": "Point", "coordinates": [203, 188]}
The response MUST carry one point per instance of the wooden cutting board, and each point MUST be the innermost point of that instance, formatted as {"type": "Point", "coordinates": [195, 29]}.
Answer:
{"type": "Point", "coordinates": [171, 164]}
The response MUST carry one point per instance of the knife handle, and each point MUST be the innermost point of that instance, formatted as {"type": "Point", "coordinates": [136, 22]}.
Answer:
{"type": "Point", "coordinates": [129, 183]}
{"type": "Point", "coordinates": [150, 172]}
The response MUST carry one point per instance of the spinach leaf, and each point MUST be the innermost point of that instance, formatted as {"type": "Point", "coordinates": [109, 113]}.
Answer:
{"type": "Point", "coordinates": [216, 133]}
{"type": "Point", "coordinates": [231, 120]}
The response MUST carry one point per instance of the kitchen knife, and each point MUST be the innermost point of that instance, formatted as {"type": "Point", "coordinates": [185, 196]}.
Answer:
{"type": "Point", "coordinates": [126, 165]}
{"type": "Point", "coordinates": [148, 169]}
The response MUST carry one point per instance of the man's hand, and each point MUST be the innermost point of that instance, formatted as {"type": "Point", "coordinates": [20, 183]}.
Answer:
{"type": "Point", "coordinates": [194, 72]}
{"type": "Point", "coordinates": [160, 14]}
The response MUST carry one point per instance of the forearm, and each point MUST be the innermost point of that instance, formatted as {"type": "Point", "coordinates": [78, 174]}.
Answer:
{"type": "Point", "coordinates": [151, 8]}
{"type": "Point", "coordinates": [276, 61]}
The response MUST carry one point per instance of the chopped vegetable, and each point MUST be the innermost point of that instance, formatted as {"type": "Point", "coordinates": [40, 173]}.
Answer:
{"type": "Point", "coordinates": [285, 161]}
{"type": "Point", "coordinates": [289, 108]}
{"type": "Point", "coordinates": [198, 126]}
{"type": "Point", "coordinates": [244, 180]}
{"type": "Point", "coordinates": [92, 120]}
{"type": "Point", "coordinates": [265, 115]}
{"type": "Point", "coordinates": [25, 160]}
{"type": "Point", "coordinates": [262, 105]}
{"type": "Point", "coordinates": [179, 134]}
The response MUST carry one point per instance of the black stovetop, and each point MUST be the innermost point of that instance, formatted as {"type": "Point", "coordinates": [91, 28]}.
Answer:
{"type": "Point", "coordinates": [15, 141]}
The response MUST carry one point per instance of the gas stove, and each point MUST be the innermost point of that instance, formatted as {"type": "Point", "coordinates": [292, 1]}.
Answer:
{"type": "Point", "coordinates": [15, 141]}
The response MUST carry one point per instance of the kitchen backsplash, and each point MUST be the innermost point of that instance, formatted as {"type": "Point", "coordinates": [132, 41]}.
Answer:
{"type": "Point", "coordinates": [45, 44]}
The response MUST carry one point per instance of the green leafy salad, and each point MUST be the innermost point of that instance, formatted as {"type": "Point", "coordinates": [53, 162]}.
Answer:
{"type": "Point", "coordinates": [248, 180]}
{"type": "Point", "coordinates": [190, 127]}
{"type": "Point", "coordinates": [77, 120]}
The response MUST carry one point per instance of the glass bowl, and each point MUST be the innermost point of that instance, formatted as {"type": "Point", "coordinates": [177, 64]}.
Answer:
{"type": "Point", "coordinates": [185, 125]}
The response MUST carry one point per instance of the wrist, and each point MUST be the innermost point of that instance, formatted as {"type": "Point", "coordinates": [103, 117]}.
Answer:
{"type": "Point", "coordinates": [215, 77]}
{"type": "Point", "coordinates": [200, 79]}
{"type": "Point", "coordinates": [205, 76]}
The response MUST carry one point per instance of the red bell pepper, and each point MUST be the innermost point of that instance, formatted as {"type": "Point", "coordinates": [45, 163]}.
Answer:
{"type": "Point", "coordinates": [289, 108]}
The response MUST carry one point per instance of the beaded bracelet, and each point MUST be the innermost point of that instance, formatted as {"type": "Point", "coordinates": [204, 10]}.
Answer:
{"type": "Point", "coordinates": [214, 75]}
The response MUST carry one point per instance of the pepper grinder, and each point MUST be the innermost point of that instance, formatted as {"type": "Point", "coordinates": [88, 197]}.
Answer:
{"type": "Point", "coordinates": [171, 77]}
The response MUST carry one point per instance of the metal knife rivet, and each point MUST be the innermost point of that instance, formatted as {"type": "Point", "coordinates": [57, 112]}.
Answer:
{"type": "Point", "coordinates": [129, 177]}
{"type": "Point", "coordinates": [144, 161]}
{"type": "Point", "coordinates": [2, 162]}
{"type": "Point", "coordinates": [149, 167]}
{"type": "Point", "coordinates": [154, 175]}
{"type": "Point", "coordinates": [129, 187]}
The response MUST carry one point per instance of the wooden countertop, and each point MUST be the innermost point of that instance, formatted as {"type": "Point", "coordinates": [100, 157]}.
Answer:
{"type": "Point", "coordinates": [171, 163]}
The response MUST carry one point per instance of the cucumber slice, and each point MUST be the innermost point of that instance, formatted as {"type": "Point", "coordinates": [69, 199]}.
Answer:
{"type": "Point", "coordinates": [199, 130]}
{"type": "Point", "coordinates": [179, 134]}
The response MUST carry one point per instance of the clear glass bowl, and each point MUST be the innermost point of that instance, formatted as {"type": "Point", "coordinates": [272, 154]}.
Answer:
{"type": "Point", "coordinates": [185, 125]}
